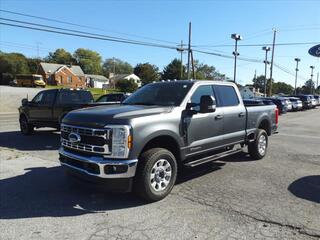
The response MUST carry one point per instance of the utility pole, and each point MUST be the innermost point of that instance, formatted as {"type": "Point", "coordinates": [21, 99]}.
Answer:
{"type": "Point", "coordinates": [317, 82]}
{"type": "Point", "coordinates": [189, 52]}
{"type": "Point", "coordinates": [192, 64]}
{"type": "Point", "coordinates": [297, 69]}
{"type": "Point", "coordinates": [272, 57]}
{"type": "Point", "coordinates": [312, 67]}
{"type": "Point", "coordinates": [267, 49]}
{"type": "Point", "coordinates": [236, 37]}
{"type": "Point", "coordinates": [181, 60]}
{"type": "Point", "coordinates": [114, 66]}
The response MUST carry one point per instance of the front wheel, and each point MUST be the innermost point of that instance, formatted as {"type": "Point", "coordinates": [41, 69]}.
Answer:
{"type": "Point", "coordinates": [156, 174]}
{"type": "Point", "coordinates": [25, 127]}
{"type": "Point", "coordinates": [258, 148]}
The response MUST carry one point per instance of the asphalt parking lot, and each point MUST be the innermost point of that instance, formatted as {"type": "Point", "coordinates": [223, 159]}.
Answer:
{"type": "Point", "coordinates": [277, 197]}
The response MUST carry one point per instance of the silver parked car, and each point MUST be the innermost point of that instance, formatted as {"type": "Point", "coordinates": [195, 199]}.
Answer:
{"type": "Point", "coordinates": [296, 103]}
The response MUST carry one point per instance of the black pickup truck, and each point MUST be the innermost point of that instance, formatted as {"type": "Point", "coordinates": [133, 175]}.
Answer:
{"type": "Point", "coordinates": [141, 143]}
{"type": "Point", "coordinates": [48, 108]}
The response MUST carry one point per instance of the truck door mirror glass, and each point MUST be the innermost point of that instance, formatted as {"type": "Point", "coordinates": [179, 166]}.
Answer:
{"type": "Point", "coordinates": [207, 104]}
{"type": "Point", "coordinates": [24, 102]}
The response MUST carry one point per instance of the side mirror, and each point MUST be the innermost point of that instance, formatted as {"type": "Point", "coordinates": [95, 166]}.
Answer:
{"type": "Point", "coordinates": [24, 102]}
{"type": "Point", "coordinates": [207, 104]}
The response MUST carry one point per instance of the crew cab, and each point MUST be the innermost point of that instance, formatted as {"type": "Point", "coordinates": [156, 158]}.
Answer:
{"type": "Point", "coordinates": [140, 144]}
{"type": "Point", "coordinates": [48, 108]}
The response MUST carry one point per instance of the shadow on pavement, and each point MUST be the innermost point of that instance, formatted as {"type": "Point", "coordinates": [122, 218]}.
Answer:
{"type": "Point", "coordinates": [186, 174]}
{"type": "Point", "coordinates": [307, 188]}
{"type": "Point", "coordinates": [239, 157]}
{"type": "Point", "coordinates": [43, 192]}
{"type": "Point", "coordinates": [40, 140]}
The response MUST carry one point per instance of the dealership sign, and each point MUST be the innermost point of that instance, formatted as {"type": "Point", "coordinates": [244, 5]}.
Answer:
{"type": "Point", "coordinates": [315, 51]}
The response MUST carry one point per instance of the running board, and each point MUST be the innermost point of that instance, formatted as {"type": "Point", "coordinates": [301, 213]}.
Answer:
{"type": "Point", "coordinates": [212, 158]}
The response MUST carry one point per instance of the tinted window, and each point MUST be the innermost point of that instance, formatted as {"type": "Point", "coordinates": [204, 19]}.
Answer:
{"type": "Point", "coordinates": [38, 98]}
{"type": "Point", "coordinates": [165, 94]}
{"type": "Point", "coordinates": [200, 91]}
{"type": "Point", "coordinates": [74, 97]}
{"type": "Point", "coordinates": [48, 97]}
{"type": "Point", "coordinates": [227, 95]}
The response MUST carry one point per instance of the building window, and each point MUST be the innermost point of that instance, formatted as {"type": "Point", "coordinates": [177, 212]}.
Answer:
{"type": "Point", "coordinates": [69, 79]}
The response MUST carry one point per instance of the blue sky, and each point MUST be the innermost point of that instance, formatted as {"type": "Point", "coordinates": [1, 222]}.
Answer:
{"type": "Point", "coordinates": [212, 24]}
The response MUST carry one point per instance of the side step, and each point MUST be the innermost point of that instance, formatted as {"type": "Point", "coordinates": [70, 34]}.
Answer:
{"type": "Point", "coordinates": [212, 158]}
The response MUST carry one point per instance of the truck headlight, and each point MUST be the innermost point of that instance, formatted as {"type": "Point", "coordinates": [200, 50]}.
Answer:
{"type": "Point", "coordinates": [121, 140]}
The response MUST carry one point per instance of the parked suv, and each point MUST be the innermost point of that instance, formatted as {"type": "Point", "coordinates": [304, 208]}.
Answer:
{"type": "Point", "coordinates": [48, 107]}
{"type": "Point", "coordinates": [306, 101]}
{"type": "Point", "coordinates": [141, 144]}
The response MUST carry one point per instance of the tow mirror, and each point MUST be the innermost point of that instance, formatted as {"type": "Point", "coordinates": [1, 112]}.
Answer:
{"type": "Point", "coordinates": [24, 102]}
{"type": "Point", "coordinates": [207, 104]}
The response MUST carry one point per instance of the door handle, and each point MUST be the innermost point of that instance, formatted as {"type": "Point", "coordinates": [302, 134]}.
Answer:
{"type": "Point", "coordinates": [218, 117]}
{"type": "Point", "coordinates": [241, 114]}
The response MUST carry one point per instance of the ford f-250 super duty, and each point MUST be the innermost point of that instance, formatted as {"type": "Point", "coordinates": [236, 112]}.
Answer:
{"type": "Point", "coordinates": [141, 143]}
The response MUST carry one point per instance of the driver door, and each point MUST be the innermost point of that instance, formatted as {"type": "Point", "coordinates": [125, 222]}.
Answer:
{"type": "Point", "coordinates": [204, 131]}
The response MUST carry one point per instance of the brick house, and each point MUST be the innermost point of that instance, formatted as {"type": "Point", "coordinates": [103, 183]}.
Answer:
{"type": "Point", "coordinates": [62, 75]}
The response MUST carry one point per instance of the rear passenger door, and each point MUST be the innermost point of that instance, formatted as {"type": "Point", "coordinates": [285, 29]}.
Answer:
{"type": "Point", "coordinates": [234, 114]}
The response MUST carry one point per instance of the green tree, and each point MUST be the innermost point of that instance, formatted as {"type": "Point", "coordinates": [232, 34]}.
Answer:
{"type": "Point", "coordinates": [125, 85]}
{"type": "Point", "coordinates": [281, 87]}
{"type": "Point", "coordinates": [146, 72]}
{"type": "Point", "coordinates": [33, 64]}
{"type": "Point", "coordinates": [308, 87]}
{"type": "Point", "coordinates": [258, 82]}
{"type": "Point", "coordinates": [173, 70]}
{"type": "Point", "coordinates": [60, 56]}
{"type": "Point", "coordinates": [13, 63]}
{"type": "Point", "coordinates": [89, 61]}
{"type": "Point", "coordinates": [117, 66]}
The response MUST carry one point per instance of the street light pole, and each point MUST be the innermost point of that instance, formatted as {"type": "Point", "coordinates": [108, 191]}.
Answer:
{"type": "Point", "coordinates": [297, 69]}
{"type": "Point", "coordinates": [265, 70]}
{"type": "Point", "coordinates": [312, 67]}
{"type": "Point", "coordinates": [236, 37]}
{"type": "Point", "coordinates": [317, 82]}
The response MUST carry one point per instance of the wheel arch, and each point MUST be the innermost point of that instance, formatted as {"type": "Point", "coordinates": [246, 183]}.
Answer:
{"type": "Point", "coordinates": [163, 141]}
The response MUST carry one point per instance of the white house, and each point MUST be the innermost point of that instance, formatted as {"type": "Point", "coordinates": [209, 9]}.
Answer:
{"type": "Point", "coordinates": [96, 81]}
{"type": "Point", "coordinates": [116, 77]}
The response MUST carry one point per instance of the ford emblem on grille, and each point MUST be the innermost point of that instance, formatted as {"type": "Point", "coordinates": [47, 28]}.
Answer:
{"type": "Point", "coordinates": [74, 138]}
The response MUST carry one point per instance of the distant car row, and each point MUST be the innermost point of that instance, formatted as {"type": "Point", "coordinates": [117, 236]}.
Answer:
{"type": "Point", "coordinates": [287, 103]}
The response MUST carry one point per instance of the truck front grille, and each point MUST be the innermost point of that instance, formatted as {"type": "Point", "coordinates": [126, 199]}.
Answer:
{"type": "Point", "coordinates": [87, 139]}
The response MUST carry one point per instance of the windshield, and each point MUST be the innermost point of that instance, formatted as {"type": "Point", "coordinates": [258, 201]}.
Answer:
{"type": "Point", "coordinates": [163, 94]}
{"type": "Point", "coordinates": [38, 78]}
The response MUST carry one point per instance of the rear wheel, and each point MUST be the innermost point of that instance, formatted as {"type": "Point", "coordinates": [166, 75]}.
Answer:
{"type": "Point", "coordinates": [25, 127]}
{"type": "Point", "coordinates": [258, 148]}
{"type": "Point", "coordinates": [156, 174]}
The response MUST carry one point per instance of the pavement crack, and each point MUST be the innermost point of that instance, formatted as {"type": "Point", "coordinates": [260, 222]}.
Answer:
{"type": "Point", "coordinates": [300, 230]}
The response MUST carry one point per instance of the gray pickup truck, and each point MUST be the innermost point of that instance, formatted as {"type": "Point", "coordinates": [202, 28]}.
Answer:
{"type": "Point", "coordinates": [140, 144]}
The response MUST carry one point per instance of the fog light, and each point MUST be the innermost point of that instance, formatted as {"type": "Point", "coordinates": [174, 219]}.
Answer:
{"type": "Point", "coordinates": [114, 169]}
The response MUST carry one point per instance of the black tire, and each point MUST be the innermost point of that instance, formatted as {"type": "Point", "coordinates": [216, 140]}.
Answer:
{"type": "Point", "coordinates": [146, 167]}
{"type": "Point", "coordinates": [253, 147]}
{"type": "Point", "coordinates": [25, 127]}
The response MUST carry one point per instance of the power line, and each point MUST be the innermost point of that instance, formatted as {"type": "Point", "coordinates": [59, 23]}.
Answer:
{"type": "Point", "coordinates": [258, 44]}
{"type": "Point", "coordinates": [89, 35]}
{"type": "Point", "coordinates": [83, 26]}
{"type": "Point", "coordinates": [65, 29]}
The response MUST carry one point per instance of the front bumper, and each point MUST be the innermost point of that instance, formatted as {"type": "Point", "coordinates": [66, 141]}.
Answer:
{"type": "Point", "coordinates": [98, 166]}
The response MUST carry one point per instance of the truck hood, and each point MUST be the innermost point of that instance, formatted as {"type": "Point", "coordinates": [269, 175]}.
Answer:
{"type": "Point", "coordinates": [111, 114]}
